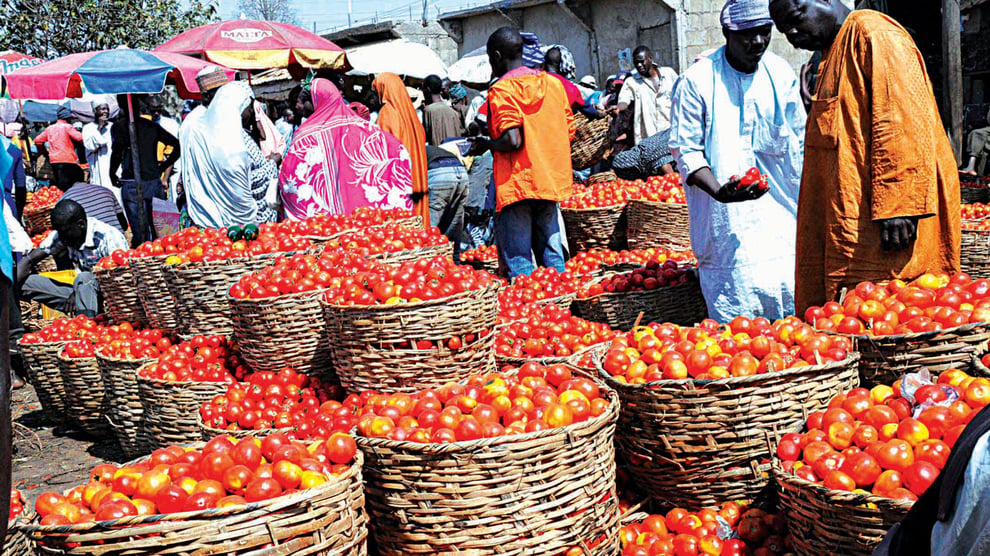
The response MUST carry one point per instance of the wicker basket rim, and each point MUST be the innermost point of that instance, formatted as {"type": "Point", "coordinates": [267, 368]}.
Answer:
{"type": "Point", "coordinates": [416, 304]}
{"type": "Point", "coordinates": [72, 359]}
{"type": "Point", "coordinates": [293, 498]}
{"type": "Point", "coordinates": [258, 301]}
{"type": "Point", "coordinates": [23, 520]}
{"type": "Point", "coordinates": [851, 358]}
{"type": "Point", "coordinates": [143, 361]}
{"type": "Point", "coordinates": [504, 441]}
{"type": "Point", "coordinates": [225, 432]}
{"type": "Point", "coordinates": [232, 260]}
{"type": "Point", "coordinates": [655, 203]}
{"type": "Point", "coordinates": [593, 209]}
{"type": "Point", "coordinates": [44, 343]}
{"type": "Point", "coordinates": [911, 335]}
{"type": "Point", "coordinates": [861, 498]}
{"type": "Point", "coordinates": [420, 249]}
{"type": "Point", "coordinates": [141, 378]}
{"type": "Point", "coordinates": [618, 294]}
{"type": "Point", "coordinates": [549, 360]}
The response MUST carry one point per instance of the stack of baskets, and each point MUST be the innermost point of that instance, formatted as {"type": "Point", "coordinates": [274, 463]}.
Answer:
{"type": "Point", "coordinates": [374, 347]}
{"type": "Point", "coordinates": [121, 296]}
{"type": "Point", "coordinates": [156, 298]}
{"type": "Point", "coordinates": [533, 494]}
{"type": "Point", "coordinates": [698, 443]}
{"type": "Point", "coordinates": [656, 224]}
{"type": "Point", "coordinates": [328, 519]}
{"type": "Point", "coordinates": [682, 304]}
{"type": "Point", "coordinates": [588, 228]}
{"type": "Point", "coordinates": [17, 543]}
{"type": "Point", "coordinates": [125, 413]}
{"type": "Point", "coordinates": [171, 409]}
{"type": "Point", "coordinates": [86, 402]}
{"type": "Point", "coordinates": [975, 251]}
{"type": "Point", "coordinates": [41, 364]}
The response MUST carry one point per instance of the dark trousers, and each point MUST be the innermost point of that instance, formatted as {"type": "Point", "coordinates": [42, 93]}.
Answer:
{"type": "Point", "coordinates": [62, 175]}
{"type": "Point", "coordinates": [128, 193]}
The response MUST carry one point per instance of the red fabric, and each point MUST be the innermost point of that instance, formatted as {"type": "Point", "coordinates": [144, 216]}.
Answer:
{"type": "Point", "coordinates": [59, 137]}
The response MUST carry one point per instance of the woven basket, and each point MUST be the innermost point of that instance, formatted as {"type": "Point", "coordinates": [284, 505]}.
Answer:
{"type": "Point", "coordinates": [532, 494]}
{"type": "Point", "coordinates": [159, 305]}
{"type": "Point", "coordinates": [975, 253]}
{"type": "Point", "coordinates": [826, 521]}
{"type": "Point", "coordinates": [121, 297]}
{"type": "Point", "coordinates": [591, 142]}
{"type": "Point", "coordinates": [410, 222]}
{"type": "Point", "coordinates": [284, 331]}
{"type": "Point", "coordinates": [46, 265]}
{"type": "Point", "coordinates": [38, 222]}
{"type": "Point", "coordinates": [489, 266]}
{"type": "Point", "coordinates": [171, 409]}
{"type": "Point", "coordinates": [354, 332]}
{"type": "Point", "coordinates": [443, 250]}
{"type": "Point", "coordinates": [200, 292]}
{"type": "Point", "coordinates": [209, 433]}
{"type": "Point", "coordinates": [86, 403]}
{"type": "Point", "coordinates": [603, 227]}
{"type": "Point", "coordinates": [887, 358]}
{"type": "Point", "coordinates": [41, 365]}
{"type": "Point", "coordinates": [328, 520]}
{"type": "Point", "coordinates": [125, 414]}
{"type": "Point", "coordinates": [17, 543]}
{"type": "Point", "coordinates": [697, 443]}
{"type": "Point", "coordinates": [681, 304]}
{"type": "Point", "coordinates": [654, 224]}
{"type": "Point", "coordinates": [974, 194]}
{"type": "Point", "coordinates": [601, 177]}
{"type": "Point", "coordinates": [562, 301]}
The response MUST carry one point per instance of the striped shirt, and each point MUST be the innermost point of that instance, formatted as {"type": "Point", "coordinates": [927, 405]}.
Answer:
{"type": "Point", "coordinates": [98, 202]}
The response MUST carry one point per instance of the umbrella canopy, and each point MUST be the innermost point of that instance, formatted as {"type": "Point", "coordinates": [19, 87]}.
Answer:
{"type": "Point", "coordinates": [398, 56]}
{"type": "Point", "coordinates": [247, 44]}
{"type": "Point", "coordinates": [121, 70]}
{"type": "Point", "coordinates": [11, 61]}
{"type": "Point", "coordinates": [472, 68]}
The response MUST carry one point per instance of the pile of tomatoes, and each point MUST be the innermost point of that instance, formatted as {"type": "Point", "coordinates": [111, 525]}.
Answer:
{"type": "Point", "coordinates": [215, 245]}
{"type": "Point", "coordinates": [529, 399]}
{"type": "Point", "coordinates": [975, 211]}
{"type": "Point", "coordinates": [223, 473]}
{"type": "Point", "coordinates": [387, 239]}
{"type": "Point", "coordinates": [302, 272]}
{"type": "Point", "coordinates": [421, 280]}
{"type": "Point", "coordinates": [79, 349]}
{"type": "Point", "coordinates": [267, 400]}
{"type": "Point", "coordinates": [38, 239]}
{"type": "Point", "coordinates": [587, 262]}
{"type": "Point", "coordinates": [543, 284]}
{"type": "Point", "coordinates": [16, 504]}
{"type": "Point", "coordinates": [366, 217]}
{"type": "Point", "coordinates": [731, 530]}
{"type": "Point", "coordinates": [117, 259]}
{"type": "Point", "coordinates": [136, 344]}
{"type": "Point", "coordinates": [485, 253]}
{"type": "Point", "coordinates": [926, 304]}
{"type": "Point", "coordinates": [551, 332]}
{"type": "Point", "coordinates": [661, 189]}
{"type": "Point", "coordinates": [65, 329]}
{"type": "Point", "coordinates": [664, 189]}
{"type": "Point", "coordinates": [891, 441]}
{"type": "Point", "coordinates": [651, 276]}
{"type": "Point", "coordinates": [742, 348]}
{"type": "Point", "coordinates": [201, 359]}
{"type": "Point", "coordinates": [43, 199]}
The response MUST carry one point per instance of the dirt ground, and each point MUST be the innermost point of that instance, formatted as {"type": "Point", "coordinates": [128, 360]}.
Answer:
{"type": "Point", "coordinates": [50, 457]}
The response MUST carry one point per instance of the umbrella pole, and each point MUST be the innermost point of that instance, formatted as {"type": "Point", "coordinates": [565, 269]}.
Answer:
{"type": "Point", "coordinates": [136, 165]}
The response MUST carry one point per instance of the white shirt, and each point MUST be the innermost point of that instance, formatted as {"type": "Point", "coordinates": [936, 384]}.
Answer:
{"type": "Point", "coordinates": [651, 103]}
{"type": "Point", "coordinates": [97, 143]}
{"type": "Point", "coordinates": [101, 241]}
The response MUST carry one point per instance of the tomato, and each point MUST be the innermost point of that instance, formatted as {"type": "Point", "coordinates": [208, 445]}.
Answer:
{"type": "Point", "coordinates": [919, 476]}
{"type": "Point", "coordinates": [341, 448]}
{"type": "Point", "coordinates": [262, 489]}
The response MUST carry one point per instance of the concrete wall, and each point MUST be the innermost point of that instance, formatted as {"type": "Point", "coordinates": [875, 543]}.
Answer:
{"type": "Point", "coordinates": [433, 36]}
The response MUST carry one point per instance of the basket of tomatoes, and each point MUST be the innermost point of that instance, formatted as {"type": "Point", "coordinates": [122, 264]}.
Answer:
{"type": "Point", "coordinates": [482, 258]}
{"type": "Point", "coordinates": [974, 254]}
{"type": "Point", "coordinates": [394, 244]}
{"type": "Point", "coordinates": [698, 404]}
{"type": "Point", "coordinates": [545, 286]}
{"type": "Point", "coordinates": [86, 402]}
{"type": "Point", "coordinates": [224, 497]}
{"type": "Point", "coordinates": [411, 326]}
{"type": "Point", "coordinates": [119, 362]}
{"type": "Point", "coordinates": [17, 543]}
{"type": "Point", "coordinates": [936, 322]}
{"type": "Point", "coordinates": [199, 279]}
{"type": "Point", "coordinates": [462, 468]}
{"type": "Point", "coordinates": [186, 376]}
{"type": "Point", "coordinates": [118, 287]}
{"type": "Point", "coordinates": [40, 351]}
{"type": "Point", "coordinates": [652, 293]}
{"type": "Point", "coordinates": [276, 313]}
{"type": "Point", "coordinates": [553, 335]}
{"type": "Point", "coordinates": [596, 216]}
{"type": "Point", "coordinates": [658, 214]}
{"type": "Point", "coordinates": [859, 465]}
{"type": "Point", "coordinates": [38, 211]}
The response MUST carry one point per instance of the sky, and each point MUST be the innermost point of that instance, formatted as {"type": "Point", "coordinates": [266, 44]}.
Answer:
{"type": "Point", "coordinates": [327, 14]}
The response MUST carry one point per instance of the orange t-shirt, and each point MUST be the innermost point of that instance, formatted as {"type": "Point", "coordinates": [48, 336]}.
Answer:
{"type": "Point", "coordinates": [536, 103]}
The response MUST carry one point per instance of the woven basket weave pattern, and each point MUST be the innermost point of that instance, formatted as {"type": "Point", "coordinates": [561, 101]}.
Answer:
{"type": "Point", "coordinates": [443, 250]}
{"type": "Point", "coordinates": [682, 304]}
{"type": "Point", "coordinates": [591, 142]}
{"type": "Point", "coordinates": [156, 298]}
{"type": "Point", "coordinates": [121, 298]}
{"type": "Point", "coordinates": [39, 222]}
{"type": "Point", "coordinates": [86, 402]}
{"type": "Point", "coordinates": [975, 253]}
{"type": "Point", "coordinates": [603, 227]}
{"type": "Point", "coordinates": [41, 364]}
{"type": "Point", "coordinates": [653, 224]}
{"type": "Point", "coordinates": [17, 543]}
{"type": "Point", "coordinates": [974, 194]}
{"type": "Point", "coordinates": [125, 414]}
{"type": "Point", "coordinates": [171, 409]}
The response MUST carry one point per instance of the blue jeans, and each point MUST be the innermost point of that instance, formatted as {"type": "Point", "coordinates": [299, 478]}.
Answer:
{"type": "Point", "coordinates": [528, 229]}
{"type": "Point", "coordinates": [448, 193]}
{"type": "Point", "coordinates": [128, 193]}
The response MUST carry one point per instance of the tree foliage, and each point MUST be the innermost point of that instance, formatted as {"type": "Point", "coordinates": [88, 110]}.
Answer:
{"type": "Point", "coordinates": [269, 10]}
{"type": "Point", "coordinates": [52, 28]}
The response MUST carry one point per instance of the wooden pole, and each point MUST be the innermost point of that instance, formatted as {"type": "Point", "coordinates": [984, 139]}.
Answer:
{"type": "Point", "coordinates": [952, 64]}
{"type": "Point", "coordinates": [136, 166]}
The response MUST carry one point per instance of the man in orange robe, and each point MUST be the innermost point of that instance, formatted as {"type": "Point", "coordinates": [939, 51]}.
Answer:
{"type": "Point", "coordinates": [880, 191]}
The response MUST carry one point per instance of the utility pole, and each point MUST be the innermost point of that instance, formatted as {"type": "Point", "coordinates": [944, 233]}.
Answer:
{"type": "Point", "coordinates": [426, 13]}
{"type": "Point", "coordinates": [952, 68]}
{"type": "Point", "coordinates": [350, 9]}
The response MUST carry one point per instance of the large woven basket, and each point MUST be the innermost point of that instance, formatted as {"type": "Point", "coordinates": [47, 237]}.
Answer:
{"type": "Point", "coordinates": [41, 364]}
{"type": "Point", "coordinates": [328, 520]}
{"type": "Point", "coordinates": [589, 228]}
{"type": "Point", "coordinates": [591, 142]}
{"type": "Point", "coordinates": [655, 224]}
{"type": "Point", "coordinates": [156, 298]}
{"type": "Point", "coordinates": [200, 292]}
{"type": "Point", "coordinates": [125, 414]}
{"type": "Point", "coordinates": [533, 494]}
{"type": "Point", "coordinates": [38, 222]}
{"type": "Point", "coordinates": [974, 194]}
{"type": "Point", "coordinates": [975, 253]}
{"type": "Point", "coordinates": [681, 304]}
{"type": "Point", "coordinates": [443, 250]}
{"type": "Point", "coordinates": [362, 341]}
{"type": "Point", "coordinates": [121, 297]}
{"type": "Point", "coordinates": [826, 521]}
{"type": "Point", "coordinates": [17, 543]}
{"type": "Point", "coordinates": [285, 331]}
{"type": "Point", "coordinates": [171, 409]}
{"type": "Point", "coordinates": [86, 402]}
{"type": "Point", "coordinates": [887, 358]}
{"type": "Point", "coordinates": [208, 433]}
{"type": "Point", "coordinates": [563, 301]}
{"type": "Point", "coordinates": [698, 443]}
{"type": "Point", "coordinates": [601, 177]}
{"type": "Point", "coordinates": [488, 266]}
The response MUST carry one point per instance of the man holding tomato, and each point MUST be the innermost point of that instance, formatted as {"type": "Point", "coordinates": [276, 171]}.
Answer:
{"type": "Point", "coordinates": [738, 112]}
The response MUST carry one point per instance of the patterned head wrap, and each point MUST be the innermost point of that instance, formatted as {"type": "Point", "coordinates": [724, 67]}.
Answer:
{"type": "Point", "coordinates": [740, 15]}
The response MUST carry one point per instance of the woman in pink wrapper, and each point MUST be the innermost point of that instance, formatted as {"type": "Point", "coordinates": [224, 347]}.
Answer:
{"type": "Point", "coordinates": [338, 162]}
